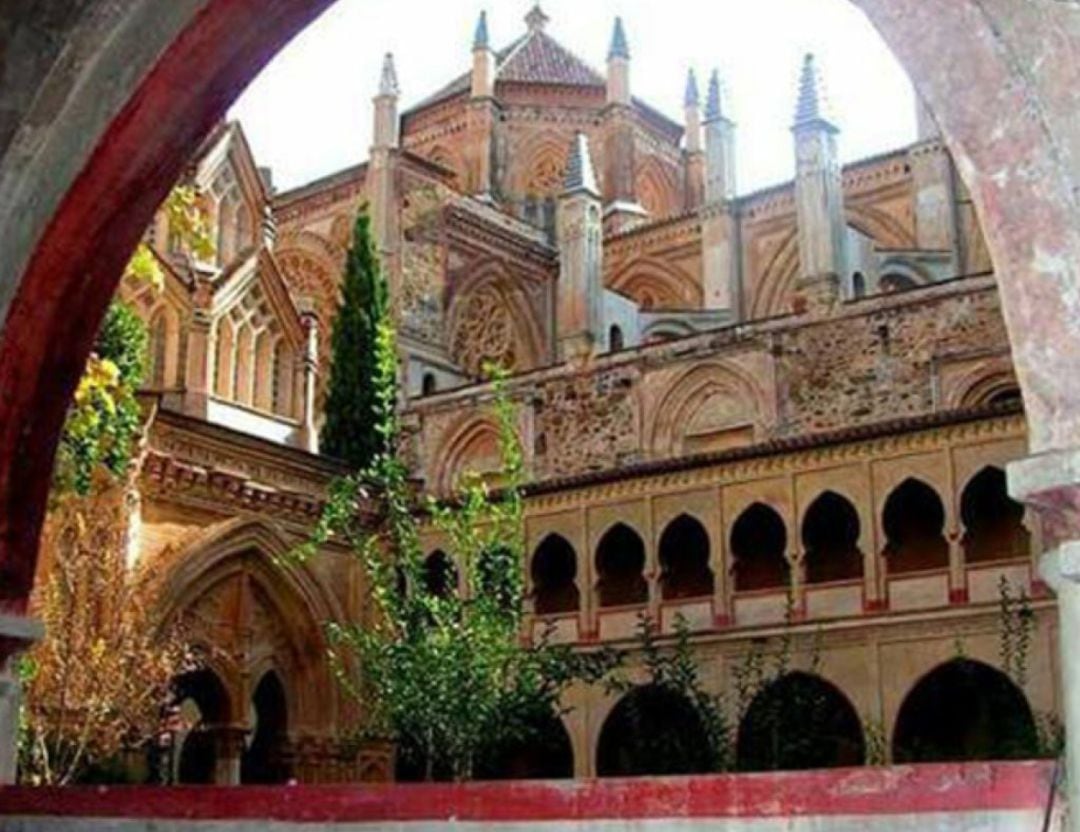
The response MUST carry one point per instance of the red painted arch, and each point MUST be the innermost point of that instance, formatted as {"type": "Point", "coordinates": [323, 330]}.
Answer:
{"type": "Point", "coordinates": [78, 261]}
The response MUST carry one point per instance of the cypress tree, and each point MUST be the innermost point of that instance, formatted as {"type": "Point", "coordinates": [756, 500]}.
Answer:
{"type": "Point", "coordinates": [349, 433]}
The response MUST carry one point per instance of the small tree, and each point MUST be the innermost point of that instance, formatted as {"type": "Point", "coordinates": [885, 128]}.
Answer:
{"type": "Point", "coordinates": [446, 676]}
{"type": "Point", "coordinates": [97, 683]}
{"type": "Point", "coordinates": [349, 431]}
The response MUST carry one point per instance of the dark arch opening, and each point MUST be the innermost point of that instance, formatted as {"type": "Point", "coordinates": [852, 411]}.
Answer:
{"type": "Point", "coordinates": [758, 540]}
{"type": "Point", "coordinates": [542, 752]}
{"type": "Point", "coordinates": [914, 521]}
{"type": "Point", "coordinates": [993, 521]}
{"type": "Point", "coordinates": [554, 568]}
{"type": "Point", "coordinates": [264, 761]}
{"type": "Point", "coordinates": [440, 575]}
{"type": "Point", "coordinates": [830, 534]}
{"type": "Point", "coordinates": [429, 385]}
{"type": "Point", "coordinates": [964, 710]}
{"type": "Point", "coordinates": [684, 560]}
{"type": "Point", "coordinates": [894, 282]}
{"type": "Point", "coordinates": [1001, 398]}
{"type": "Point", "coordinates": [652, 731]}
{"type": "Point", "coordinates": [858, 285]}
{"type": "Point", "coordinates": [799, 721]}
{"type": "Point", "coordinates": [620, 563]}
{"type": "Point", "coordinates": [616, 341]}
{"type": "Point", "coordinates": [198, 753]}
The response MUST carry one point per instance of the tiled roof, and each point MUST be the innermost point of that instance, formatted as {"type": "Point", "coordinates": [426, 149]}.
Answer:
{"type": "Point", "coordinates": [543, 60]}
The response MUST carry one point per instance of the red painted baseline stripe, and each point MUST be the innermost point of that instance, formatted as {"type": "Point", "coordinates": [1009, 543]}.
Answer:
{"type": "Point", "coordinates": [884, 791]}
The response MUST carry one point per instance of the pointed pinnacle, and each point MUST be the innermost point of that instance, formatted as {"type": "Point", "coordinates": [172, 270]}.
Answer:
{"type": "Point", "coordinates": [813, 104]}
{"type": "Point", "coordinates": [691, 98]}
{"type": "Point", "coordinates": [580, 175]}
{"type": "Point", "coordinates": [619, 47]}
{"type": "Point", "coordinates": [388, 82]}
{"type": "Point", "coordinates": [481, 39]}
{"type": "Point", "coordinates": [714, 104]}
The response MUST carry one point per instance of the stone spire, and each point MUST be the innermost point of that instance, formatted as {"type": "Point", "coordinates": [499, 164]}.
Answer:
{"type": "Point", "coordinates": [819, 194]}
{"type": "Point", "coordinates": [481, 39]}
{"type": "Point", "coordinates": [536, 20]}
{"type": "Point", "coordinates": [619, 47]}
{"type": "Point", "coordinates": [386, 116]}
{"type": "Point", "coordinates": [716, 100]}
{"type": "Point", "coordinates": [580, 175]}
{"type": "Point", "coordinates": [691, 97]}
{"type": "Point", "coordinates": [618, 62]}
{"type": "Point", "coordinates": [813, 104]}
{"type": "Point", "coordinates": [388, 82]}
{"type": "Point", "coordinates": [483, 73]}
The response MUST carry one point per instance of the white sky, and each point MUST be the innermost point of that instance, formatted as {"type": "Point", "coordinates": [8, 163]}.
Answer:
{"type": "Point", "coordinates": [309, 113]}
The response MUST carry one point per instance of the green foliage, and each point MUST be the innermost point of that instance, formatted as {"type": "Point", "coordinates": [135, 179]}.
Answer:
{"type": "Point", "coordinates": [350, 431]}
{"type": "Point", "coordinates": [104, 419]}
{"type": "Point", "coordinates": [447, 677]}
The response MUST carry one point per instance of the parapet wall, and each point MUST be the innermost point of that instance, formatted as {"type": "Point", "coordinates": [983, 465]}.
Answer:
{"type": "Point", "coordinates": [992, 797]}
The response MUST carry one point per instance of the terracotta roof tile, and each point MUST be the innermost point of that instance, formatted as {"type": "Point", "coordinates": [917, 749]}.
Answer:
{"type": "Point", "coordinates": [543, 60]}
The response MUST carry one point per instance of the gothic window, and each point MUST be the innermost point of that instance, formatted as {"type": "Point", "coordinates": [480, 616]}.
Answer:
{"type": "Point", "coordinates": [914, 521]}
{"type": "Point", "coordinates": [485, 333]}
{"type": "Point", "coordinates": [615, 339]}
{"type": "Point", "coordinates": [554, 568]}
{"type": "Point", "coordinates": [993, 521]}
{"type": "Point", "coordinates": [158, 345]}
{"type": "Point", "coordinates": [440, 575]}
{"type": "Point", "coordinates": [547, 176]}
{"type": "Point", "coordinates": [203, 703]}
{"type": "Point", "coordinates": [684, 560]}
{"type": "Point", "coordinates": [620, 566]}
{"type": "Point", "coordinates": [429, 385]}
{"type": "Point", "coordinates": [758, 541]}
{"type": "Point", "coordinates": [831, 536]}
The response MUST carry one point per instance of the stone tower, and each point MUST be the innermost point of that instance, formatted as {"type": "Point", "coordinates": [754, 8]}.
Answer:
{"type": "Point", "coordinates": [719, 223]}
{"type": "Point", "coordinates": [580, 290]}
{"type": "Point", "coordinates": [819, 196]}
{"type": "Point", "coordinates": [482, 115]}
{"type": "Point", "coordinates": [695, 156]}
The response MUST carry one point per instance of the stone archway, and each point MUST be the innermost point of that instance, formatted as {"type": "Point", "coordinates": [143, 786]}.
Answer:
{"type": "Point", "coordinates": [102, 129]}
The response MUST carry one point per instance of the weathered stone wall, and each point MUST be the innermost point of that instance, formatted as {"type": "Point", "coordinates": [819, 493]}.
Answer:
{"type": "Point", "coordinates": [878, 359]}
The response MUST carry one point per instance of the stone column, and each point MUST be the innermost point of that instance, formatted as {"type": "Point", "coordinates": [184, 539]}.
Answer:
{"type": "Point", "coordinates": [309, 430]}
{"type": "Point", "coordinates": [1049, 483]}
{"type": "Point", "coordinates": [199, 373]}
{"type": "Point", "coordinates": [17, 634]}
{"type": "Point", "coordinates": [229, 742]}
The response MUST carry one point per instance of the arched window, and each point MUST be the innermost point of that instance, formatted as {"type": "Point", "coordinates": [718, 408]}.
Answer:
{"type": "Point", "coordinates": [830, 533]}
{"type": "Point", "coordinates": [895, 282]}
{"type": "Point", "coordinates": [243, 384]}
{"type": "Point", "coordinates": [1008, 395]}
{"type": "Point", "coordinates": [284, 372]}
{"type": "Point", "coordinates": [440, 575]}
{"type": "Point", "coordinates": [620, 563]}
{"type": "Point", "coordinates": [858, 285]}
{"type": "Point", "coordinates": [684, 560]}
{"type": "Point", "coordinates": [264, 761]}
{"type": "Point", "coordinates": [429, 385]}
{"type": "Point", "coordinates": [204, 704]}
{"type": "Point", "coordinates": [914, 521]}
{"type": "Point", "coordinates": [264, 371]}
{"type": "Point", "coordinates": [653, 731]}
{"type": "Point", "coordinates": [159, 339]}
{"type": "Point", "coordinates": [543, 752]}
{"type": "Point", "coordinates": [554, 567]}
{"type": "Point", "coordinates": [615, 338]}
{"type": "Point", "coordinates": [226, 358]}
{"type": "Point", "coordinates": [964, 710]}
{"type": "Point", "coordinates": [758, 541]}
{"type": "Point", "coordinates": [800, 721]}
{"type": "Point", "coordinates": [993, 521]}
